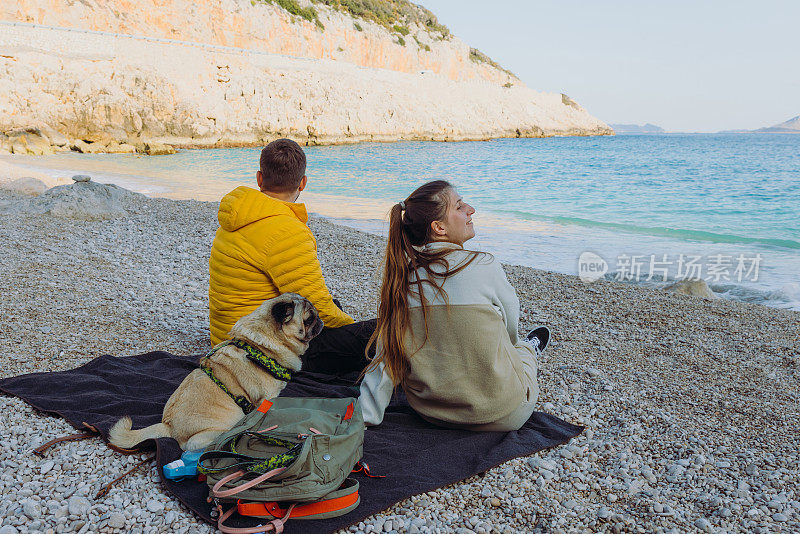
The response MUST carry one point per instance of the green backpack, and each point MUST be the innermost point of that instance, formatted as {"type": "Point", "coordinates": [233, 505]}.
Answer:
{"type": "Point", "coordinates": [291, 457]}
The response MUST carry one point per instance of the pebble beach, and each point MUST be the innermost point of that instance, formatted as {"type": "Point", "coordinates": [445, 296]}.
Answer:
{"type": "Point", "coordinates": [690, 405]}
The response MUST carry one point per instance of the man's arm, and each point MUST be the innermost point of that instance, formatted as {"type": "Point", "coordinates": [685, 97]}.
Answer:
{"type": "Point", "coordinates": [293, 266]}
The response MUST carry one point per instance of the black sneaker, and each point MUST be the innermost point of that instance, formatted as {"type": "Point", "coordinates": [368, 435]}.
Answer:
{"type": "Point", "coordinates": [539, 337]}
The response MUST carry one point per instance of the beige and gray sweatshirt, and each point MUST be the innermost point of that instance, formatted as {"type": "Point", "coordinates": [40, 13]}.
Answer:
{"type": "Point", "coordinates": [469, 370]}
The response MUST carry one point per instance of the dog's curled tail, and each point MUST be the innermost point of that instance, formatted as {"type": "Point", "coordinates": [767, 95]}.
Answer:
{"type": "Point", "coordinates": [123, 437]}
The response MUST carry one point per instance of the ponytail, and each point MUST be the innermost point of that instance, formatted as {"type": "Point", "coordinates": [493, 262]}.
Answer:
{"type": "Point", "coordinates": [393, 316]}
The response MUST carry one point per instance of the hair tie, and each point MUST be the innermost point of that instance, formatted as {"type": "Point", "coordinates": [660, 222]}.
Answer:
{"type": "Point", "coordinates": [402, 205]}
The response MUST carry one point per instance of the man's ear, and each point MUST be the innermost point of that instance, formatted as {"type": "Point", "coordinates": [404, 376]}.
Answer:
{"type": "Point", "coordinates": [303, 183]}
{"type": "Point", "coordinates": [283, 312]}
{"type": "Point", "coordinates": [260, 180]}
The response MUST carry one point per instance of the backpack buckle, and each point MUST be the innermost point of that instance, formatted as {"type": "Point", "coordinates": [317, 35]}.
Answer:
{"type": "Point", "coordinates": [217, 507]}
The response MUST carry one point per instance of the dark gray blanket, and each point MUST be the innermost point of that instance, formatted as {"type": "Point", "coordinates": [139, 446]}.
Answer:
{"type": "Point", "coordinates": [414, 455]}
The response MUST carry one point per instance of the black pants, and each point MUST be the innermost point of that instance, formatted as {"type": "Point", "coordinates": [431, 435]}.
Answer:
{"type": "Point", "coordinates": [340, 351]}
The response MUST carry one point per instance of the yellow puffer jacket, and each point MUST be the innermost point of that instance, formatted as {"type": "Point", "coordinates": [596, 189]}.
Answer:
{"type": "Point", "coordinates": [262, 249]}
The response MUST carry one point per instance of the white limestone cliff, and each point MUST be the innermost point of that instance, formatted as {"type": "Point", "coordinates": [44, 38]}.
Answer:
{"type": "Point", "coordinates": [112, 76]}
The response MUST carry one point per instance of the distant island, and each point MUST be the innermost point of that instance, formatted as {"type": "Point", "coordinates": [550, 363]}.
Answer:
{"type": "Point", "coordinates": [790, 126]}
{"type": "Point", "coordinates": [637, 128]}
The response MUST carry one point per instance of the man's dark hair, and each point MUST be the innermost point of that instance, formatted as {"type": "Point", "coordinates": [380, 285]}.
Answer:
{"type": "Point", "coordinates": [283, 165]}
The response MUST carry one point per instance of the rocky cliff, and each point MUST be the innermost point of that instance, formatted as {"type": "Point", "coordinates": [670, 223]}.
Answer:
{"type": "Point", "coordinates": [267, 27]}
{"type": "Point", "coordinates": [120, 76]}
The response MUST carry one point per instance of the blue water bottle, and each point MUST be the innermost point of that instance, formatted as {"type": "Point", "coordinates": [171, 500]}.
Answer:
{"type": "Point", "coordinates": [186, 466]}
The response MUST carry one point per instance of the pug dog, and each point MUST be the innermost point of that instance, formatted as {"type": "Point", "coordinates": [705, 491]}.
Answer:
{"type": "Point", "coordinates": [199, 410]}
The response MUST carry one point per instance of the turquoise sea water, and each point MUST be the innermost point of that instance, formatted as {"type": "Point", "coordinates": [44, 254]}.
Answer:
{"type": "Point", "coordinates": [638, 202]}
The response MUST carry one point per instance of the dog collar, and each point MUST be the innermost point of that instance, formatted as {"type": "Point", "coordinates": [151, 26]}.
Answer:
{"type": "Point", "coordinates": [262, 360]}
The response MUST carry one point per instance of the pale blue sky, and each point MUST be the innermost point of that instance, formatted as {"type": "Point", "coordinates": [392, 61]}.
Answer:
{"type": "Point", "coordinates": [683, 65]}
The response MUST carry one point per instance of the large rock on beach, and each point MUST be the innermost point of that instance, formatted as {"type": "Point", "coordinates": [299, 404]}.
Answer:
{"type": "Point", "coordinates": [56, 138]}
{"type": "Point", "coordinates": [158, 149]}
{"type": "Point", "coordinates": [693, 288]}
{"type": "Point", "coordinates": [79, 145]}
{"type": "Point", "coordinates": [25, 186]}
{"type": "Point", "coordinates": [81, 200]}
{"type": "Point", "coordinates": [11, 171]}
{"type": "Point", "coordinates": [122, 148]}
{"type": "Point", "coordinates": [28, 142]}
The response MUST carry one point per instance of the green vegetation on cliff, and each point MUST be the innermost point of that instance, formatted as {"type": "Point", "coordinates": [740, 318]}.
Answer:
{"type": "Point", "coordinates": [390, 14]}
{"type": "Point", "coordinates": [394, 15]}
{"type": "Point", "coordinates": [307, 13]}
{"type": "Point", "coordinates": [479, 57]}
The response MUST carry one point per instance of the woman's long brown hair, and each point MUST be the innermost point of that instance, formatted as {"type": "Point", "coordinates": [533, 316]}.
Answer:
{"type": "Point", "coordinates": [410, 227]}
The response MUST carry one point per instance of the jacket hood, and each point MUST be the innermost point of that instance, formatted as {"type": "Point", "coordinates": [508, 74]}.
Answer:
{"type": "Point", "coordinates": [245, 205]}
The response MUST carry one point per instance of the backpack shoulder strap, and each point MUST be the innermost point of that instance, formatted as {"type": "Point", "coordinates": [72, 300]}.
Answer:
{"type": "Point", "coordinates": [274, 527]}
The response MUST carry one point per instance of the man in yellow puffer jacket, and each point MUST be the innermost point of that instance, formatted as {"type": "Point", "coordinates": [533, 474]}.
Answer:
{"type": "Point", "coordinates": [263, 247]}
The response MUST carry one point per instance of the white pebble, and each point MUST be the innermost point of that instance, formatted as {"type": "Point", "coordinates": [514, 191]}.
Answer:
{"type": "Point", "coordinates": [703, 524]}
{"type": "Point", "coordinates": [31, 509]}
{"type": "Point", "coordinates": [47, 466]}
{"type": "Point", "coordinates": [116, 520]}
{"type": "Point", "coordinates": [155, 506]}
{"type": "Point", "coordinates": [78, 505]}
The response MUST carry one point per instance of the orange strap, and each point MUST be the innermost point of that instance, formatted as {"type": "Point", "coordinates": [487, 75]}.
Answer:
{"type": "Point", "coordinates": [263, 509]}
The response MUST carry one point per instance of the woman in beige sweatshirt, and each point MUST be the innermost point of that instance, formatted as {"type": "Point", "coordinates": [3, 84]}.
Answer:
{"type": "Point", "coordinates": [447, 323]}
